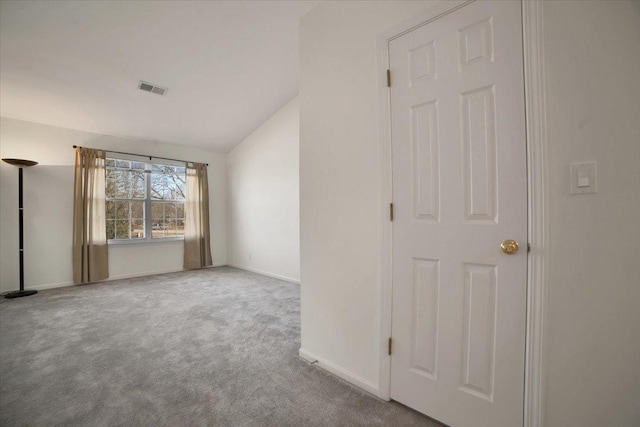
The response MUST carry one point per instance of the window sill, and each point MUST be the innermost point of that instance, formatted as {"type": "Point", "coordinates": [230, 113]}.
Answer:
{"type": "Point", "coordinates": [144, 241]}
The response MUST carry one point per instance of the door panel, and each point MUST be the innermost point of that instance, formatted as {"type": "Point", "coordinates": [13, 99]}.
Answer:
{"type": "Point", "coordinates": [459, 190]}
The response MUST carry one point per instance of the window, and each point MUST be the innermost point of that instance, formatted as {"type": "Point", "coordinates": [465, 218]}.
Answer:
{"type": "Point", "coordinates": [145, 201]}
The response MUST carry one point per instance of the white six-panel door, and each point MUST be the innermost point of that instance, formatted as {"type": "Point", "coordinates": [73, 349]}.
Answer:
{"type": "Point", "coordinates": [459, 191]}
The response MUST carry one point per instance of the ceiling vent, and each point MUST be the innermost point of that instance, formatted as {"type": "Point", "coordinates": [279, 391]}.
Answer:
{"type": "Point", "coordinates": [148, 87]}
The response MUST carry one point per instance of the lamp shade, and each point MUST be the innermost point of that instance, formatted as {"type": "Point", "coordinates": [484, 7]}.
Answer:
{"type": "Point", "coordinates": [20, 162]}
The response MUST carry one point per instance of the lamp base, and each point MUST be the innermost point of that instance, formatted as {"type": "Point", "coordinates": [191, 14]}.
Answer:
{"type": "Point", "coordinates": [18, 294]}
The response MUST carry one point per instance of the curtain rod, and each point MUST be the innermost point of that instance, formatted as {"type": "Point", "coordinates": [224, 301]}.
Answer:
{"type": "Point", "coordinates": [141, 155]}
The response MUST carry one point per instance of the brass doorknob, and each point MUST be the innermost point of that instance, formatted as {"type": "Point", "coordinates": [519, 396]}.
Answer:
{"type": "Point", "coordinates": [509, 247]}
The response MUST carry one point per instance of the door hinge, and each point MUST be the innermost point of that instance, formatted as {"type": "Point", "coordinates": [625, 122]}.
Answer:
{"type": "Point", "coordinates": [390, 211]}
{"type": "Point", "coordinates": [528, 247]}
{"type": "Point", "coordinates": [388, 78]}
{"type": "Point", "coordinates": [389, 346]}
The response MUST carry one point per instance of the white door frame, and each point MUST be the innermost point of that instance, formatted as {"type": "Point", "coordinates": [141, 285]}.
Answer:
{"type": "Point", "coordinates": [537, 194]}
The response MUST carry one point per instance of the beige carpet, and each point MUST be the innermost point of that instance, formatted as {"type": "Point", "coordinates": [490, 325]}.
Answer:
{"type": "Point", "coordinates": [214, 347]}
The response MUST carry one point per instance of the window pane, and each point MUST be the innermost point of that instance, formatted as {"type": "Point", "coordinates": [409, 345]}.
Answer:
{"type": "Point", "coordinates": [137, 185]}
{"type": "Point", "coordinates": [170, 211]}
{"type": "Point", "coordinates": [179, 219]}
{"type": "Point", "coordinates": [111, 229]}
{"type": "Point", "coordinates": [157, 211]}
{"type": "Point", "coordinates": [166, 222]}
{"type": "Point", "coordinates": [123, 164]}
{"type": "Point", "coordinates": [122, 229]}
{"type": "Point", "coordinates": [137, 210]}
{"type": "Point", "coordinates": [111, 184]}
{"type": "Point", "coordinates": [122, 184]}
{"type": "Point", "coordinates": [157, 214]}
{"type": "Point", "coordinates": [110, 163]}
{"type": "Point", "coordinates": [158, 186]}
{"type": "Point", "coordinates": [168, 182]}
{"type": "Point", "coordinates": [137, 229]}
{"type": "Point", "coordinates": [181, 187]}
{"type": "Point", "coordinates": [137, 165]}
{"type": "Point", "coordinates": [159, 229]}
{"type": "Point", "coordinates": [122, 210]}
{"type": "Point", "coordinates": [110, 211]}
{"type": "Point", "coordinates": [170, 219]}
{"type": "Point", "coordinates": [137, 220]}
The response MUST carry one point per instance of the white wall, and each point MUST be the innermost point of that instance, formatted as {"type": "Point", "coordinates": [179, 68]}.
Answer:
{"type": "Point", "coordinates": [340, 183]}
{"type": "Point", "coordinates": [263, 197]}
{"type": "Point", "coordinates": [592, 66]}
{"type": "Point", "coordinates": [48, 204]}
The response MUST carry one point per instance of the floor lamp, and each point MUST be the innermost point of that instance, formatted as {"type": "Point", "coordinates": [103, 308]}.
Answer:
{"type": "Point", "coordinates": [20, 163]}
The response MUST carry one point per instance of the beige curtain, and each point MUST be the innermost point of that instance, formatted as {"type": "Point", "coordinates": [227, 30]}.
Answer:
{"type": "Point", "coordinates": [197, 247]}
{"type": "Point", "coordinates": [90, 252]}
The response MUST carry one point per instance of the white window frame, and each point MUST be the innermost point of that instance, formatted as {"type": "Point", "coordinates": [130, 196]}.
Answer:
{"type": "Point", "coordinates": [148, 216]}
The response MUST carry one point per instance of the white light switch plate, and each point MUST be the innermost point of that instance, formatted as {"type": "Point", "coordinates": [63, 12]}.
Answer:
{"type": "Point", "coordinates": [583, 178]}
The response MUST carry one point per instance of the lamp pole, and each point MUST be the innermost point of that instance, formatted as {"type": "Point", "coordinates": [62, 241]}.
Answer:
{"type": "Point", "coordinates": [20, 163]}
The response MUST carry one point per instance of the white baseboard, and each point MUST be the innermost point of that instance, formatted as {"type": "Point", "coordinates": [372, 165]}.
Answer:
{"type": "Point", "coordinates": [146, 273]}
{"type": "Point", "coordinates": [153, 273]}
{"type": "Point", "coordinates": [218, 265]}
{"type": "Point", "coordinates": [266, 273]}
{"type": "Point", "coordinates": [340, 372]}
{"type": "Point", "coordinates": [49, 286]}
{"type": "Point", "coordinates": [123, 276]}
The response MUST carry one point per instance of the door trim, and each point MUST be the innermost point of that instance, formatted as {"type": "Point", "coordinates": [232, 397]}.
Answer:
{"type": "Point", "coordinates": [537, 199]}
{"type": "Point", "coordinates": [537, 181]}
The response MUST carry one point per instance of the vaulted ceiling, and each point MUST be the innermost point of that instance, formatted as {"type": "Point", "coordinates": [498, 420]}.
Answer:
{"type": "Point", "coordinates": [228, 66]}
